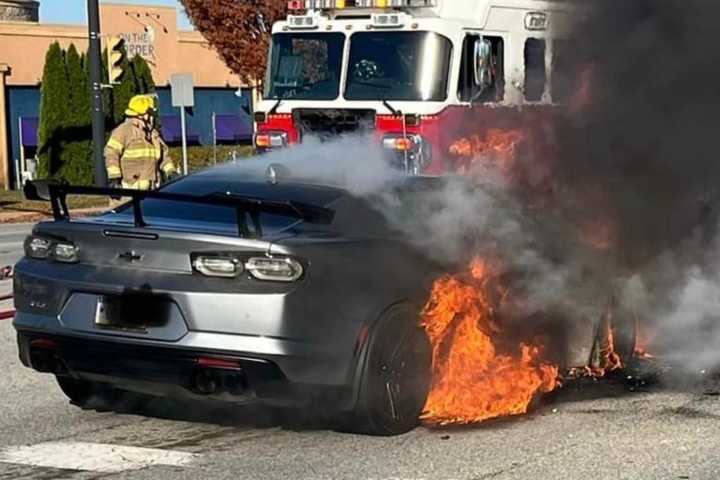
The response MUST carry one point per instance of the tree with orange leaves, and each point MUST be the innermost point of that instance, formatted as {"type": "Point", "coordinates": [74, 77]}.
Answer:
{"type": "Point", "coordinates": [239, 30]}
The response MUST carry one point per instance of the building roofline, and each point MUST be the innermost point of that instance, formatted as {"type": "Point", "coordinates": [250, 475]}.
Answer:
{"type": "Point", "coordinates": [43, 29]}
{"type": "Point", "coordinates": [140, 5]}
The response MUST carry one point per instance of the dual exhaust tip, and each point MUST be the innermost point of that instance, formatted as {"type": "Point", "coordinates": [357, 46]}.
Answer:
{"type": "Point", "coordinates": [219, 375]}
{"type": "Point", "coordinates": [45, 359]}
{"type": "Point", "coordinates": [213, 376]}
{"type": "Point", "coordinates": [208, 381]}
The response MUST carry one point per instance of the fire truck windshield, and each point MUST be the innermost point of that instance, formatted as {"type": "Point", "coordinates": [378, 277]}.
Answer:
{"type": "Point", "coordinates": [305, 66]}
{"type": "Point", "coordinates": [398, 66]}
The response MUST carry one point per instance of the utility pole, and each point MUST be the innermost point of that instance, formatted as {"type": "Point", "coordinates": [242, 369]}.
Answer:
{"type": "Point", "coordinates": [98, 118]}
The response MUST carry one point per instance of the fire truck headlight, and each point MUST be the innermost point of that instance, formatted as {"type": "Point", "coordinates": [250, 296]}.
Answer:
{"type": "Point", "coordinates": [271, 140]}
{"type": "Point", "coordinates": [403, 143]}
{"type": "Point", "coordinates": [413, 148]}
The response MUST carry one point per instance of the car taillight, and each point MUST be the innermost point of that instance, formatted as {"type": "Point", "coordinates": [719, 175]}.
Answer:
{"type": "Point", "coordinates": [65, 252]}
{"type": "Point", "coordinates": [278, 269]}
{"type": "Point", "coordinates": [45, 248]}
{"type": "Point", "coordinates": [37, 247]}
{"type": "Point", "coordinates": [213, 266]}
{"type": "Point", "coordinates": [43, 343]}
{"type": "Point", "coordinates": [271, 140]}
{"type": "Point", "coordinates": [232, 265]}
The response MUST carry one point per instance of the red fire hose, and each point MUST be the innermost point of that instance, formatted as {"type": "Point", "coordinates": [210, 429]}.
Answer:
{"type": "Point", "coordinates": [5, 273]}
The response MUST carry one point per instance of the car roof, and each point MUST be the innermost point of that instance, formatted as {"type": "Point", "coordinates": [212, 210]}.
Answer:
{"type": "Point", "coordinates": [290, 181]}
{"type": "Point", "coordinates": [218, 181]}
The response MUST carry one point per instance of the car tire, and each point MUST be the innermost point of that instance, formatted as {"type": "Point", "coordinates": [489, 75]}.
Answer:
{"type": "Point", "coordinates": [624, 334]}
{"type": "Point", "coordinates": [624, 329]}
{"type": "Point", "coordinates": [396, 375]}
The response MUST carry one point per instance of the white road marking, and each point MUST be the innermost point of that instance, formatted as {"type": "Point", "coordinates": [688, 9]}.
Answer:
{"type": "Point", "coordinates": [93, 457]}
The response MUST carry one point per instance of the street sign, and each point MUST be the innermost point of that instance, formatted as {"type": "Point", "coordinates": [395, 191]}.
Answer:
{"type": "Point", "coordinates": [182, 97]}
{"type": "Point", "coordinates": [182, 90]}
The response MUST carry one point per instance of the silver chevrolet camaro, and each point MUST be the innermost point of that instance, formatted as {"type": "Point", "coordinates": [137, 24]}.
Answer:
{"type": "Point", "coordinates": [240, 286]}
{"type": "Point", "coordinates": [231, 287]}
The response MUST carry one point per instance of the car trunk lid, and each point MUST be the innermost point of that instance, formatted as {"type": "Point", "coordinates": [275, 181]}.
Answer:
{"type": "Point", "coordinates": [116, 245]}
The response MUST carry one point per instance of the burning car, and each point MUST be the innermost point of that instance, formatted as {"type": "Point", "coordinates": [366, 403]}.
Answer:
{"type": "Point", "coordinates": [228, 287]}
{"type": "Point", "coordinates": [238, 287]}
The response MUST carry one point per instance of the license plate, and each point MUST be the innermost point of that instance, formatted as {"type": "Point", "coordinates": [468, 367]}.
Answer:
{"type": "Point", "coordinates": [112, 313]}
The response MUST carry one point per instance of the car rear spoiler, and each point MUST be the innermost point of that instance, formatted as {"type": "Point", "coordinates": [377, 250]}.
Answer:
{"type": "Point", "coordinates": [56, 193]}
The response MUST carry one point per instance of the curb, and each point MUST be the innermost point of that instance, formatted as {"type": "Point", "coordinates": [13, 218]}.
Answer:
{"type": "Point", "coordinates": [27, 217]}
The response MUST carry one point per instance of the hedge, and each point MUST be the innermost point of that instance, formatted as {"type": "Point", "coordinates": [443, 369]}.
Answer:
{"type": "Point", "coordinates": [200, 156]}
{"type": "Point", "coordinates": [65, 129]}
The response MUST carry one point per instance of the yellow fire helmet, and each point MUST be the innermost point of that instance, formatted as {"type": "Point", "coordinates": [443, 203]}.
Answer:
{"type": "Point", "coordinates": [140, 105]}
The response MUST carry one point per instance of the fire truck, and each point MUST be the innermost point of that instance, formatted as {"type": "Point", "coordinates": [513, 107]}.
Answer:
{"type": "Point", "coordinates": [415, 74]}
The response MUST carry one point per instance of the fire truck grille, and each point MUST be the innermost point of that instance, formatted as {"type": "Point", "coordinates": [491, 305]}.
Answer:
{"type": "Point", "coordinates": [326, 124]}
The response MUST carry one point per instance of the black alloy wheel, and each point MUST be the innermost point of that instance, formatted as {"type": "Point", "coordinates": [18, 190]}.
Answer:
{"type": "Point", "coordinates": [396, 375]}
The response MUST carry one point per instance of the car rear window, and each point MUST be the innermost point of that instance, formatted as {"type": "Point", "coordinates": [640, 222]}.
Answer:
{"type": "Point", "coordinates": [223, 220]}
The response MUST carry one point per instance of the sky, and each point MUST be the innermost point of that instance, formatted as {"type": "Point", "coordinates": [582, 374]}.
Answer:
{"type": "Point", "coordinates": [74, 11]}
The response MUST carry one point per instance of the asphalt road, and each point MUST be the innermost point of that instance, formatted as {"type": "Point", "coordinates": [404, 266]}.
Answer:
{"type": "Point", "coordinates": [612, 429]}
{"type": "Point", "coordinates": [11, 238]}
{"type": "Point", "coordinates": [11, 250]}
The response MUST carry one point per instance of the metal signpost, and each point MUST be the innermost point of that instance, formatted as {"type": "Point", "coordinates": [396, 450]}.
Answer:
{"type": "Point", "coordinates": [20, 164]}
{"type": "Point", "coordinates": [98, 118]}
{"type": "Point", "coordinates": [214, 121]}
{"type": "Point", "coordinates": [183, 97]}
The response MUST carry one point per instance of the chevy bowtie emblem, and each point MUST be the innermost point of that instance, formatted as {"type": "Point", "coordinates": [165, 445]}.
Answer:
{"type": "Point", "coordinates": [130, 256]}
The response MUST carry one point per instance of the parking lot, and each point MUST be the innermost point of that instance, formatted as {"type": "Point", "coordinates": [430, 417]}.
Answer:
{"type": "Point", "coordinates": [612, 429]}
{"type": "Point", "coordinates": [617, 428]}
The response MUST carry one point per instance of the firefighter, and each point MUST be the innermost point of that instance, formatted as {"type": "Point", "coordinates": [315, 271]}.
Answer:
{"type": "Point", "coordinates": [136, 156]}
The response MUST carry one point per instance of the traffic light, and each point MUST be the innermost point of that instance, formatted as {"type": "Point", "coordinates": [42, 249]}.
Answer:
{"type": "Point", "coordinates": [116, 56]}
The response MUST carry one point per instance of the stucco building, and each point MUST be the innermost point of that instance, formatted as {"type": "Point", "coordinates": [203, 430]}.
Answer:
{"type": "Point", "coordinates": [150, 31]}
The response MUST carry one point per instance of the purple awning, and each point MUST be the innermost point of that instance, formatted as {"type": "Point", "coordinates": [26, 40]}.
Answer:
{"type": "Point", "coordinates": [172, 131]}
{"type": "Point", "coordinates": [233, 128]}
{"type": "Point", "coordinates": [29, 127]}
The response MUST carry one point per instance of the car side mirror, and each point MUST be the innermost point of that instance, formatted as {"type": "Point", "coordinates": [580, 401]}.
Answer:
{"type": "Point", "coordinates": [482, 65]}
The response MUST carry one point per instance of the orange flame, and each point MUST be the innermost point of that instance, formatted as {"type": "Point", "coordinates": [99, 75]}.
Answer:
{"type": "Point", "coordinates": [599, 235]}
{"type": "Point", "coordinates": [497, 148]}
{"type": "Point", "coordinates": [608, 360]}
{"type": "Point", "coordinates": [472, 380]}
{"type": "Point", "coordinates": [643, 340]}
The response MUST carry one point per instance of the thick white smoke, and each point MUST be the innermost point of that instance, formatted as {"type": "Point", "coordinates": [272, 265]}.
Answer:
{"type": "Point", "coordinates": [645, 140]}
{"type": "Point", "coordinates": [354, 162]}
{"type": "Point", "coordinates": [459, 218]}
{"type": "Point", "coordinates": [676, 299]}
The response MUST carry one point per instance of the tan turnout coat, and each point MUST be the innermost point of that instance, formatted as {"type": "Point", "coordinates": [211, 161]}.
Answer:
{"type": "Point", "coordinates": [136, 156]}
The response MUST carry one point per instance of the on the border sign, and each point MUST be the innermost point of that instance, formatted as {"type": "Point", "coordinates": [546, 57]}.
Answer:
{"type": "Point", "coordinates": [140, 43]}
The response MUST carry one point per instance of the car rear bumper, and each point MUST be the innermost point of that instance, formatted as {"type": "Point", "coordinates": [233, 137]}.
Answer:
{"type": "Point", "coordinates": [312, 342]}
{"type": "Point", "coordinates": [171, 371]}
